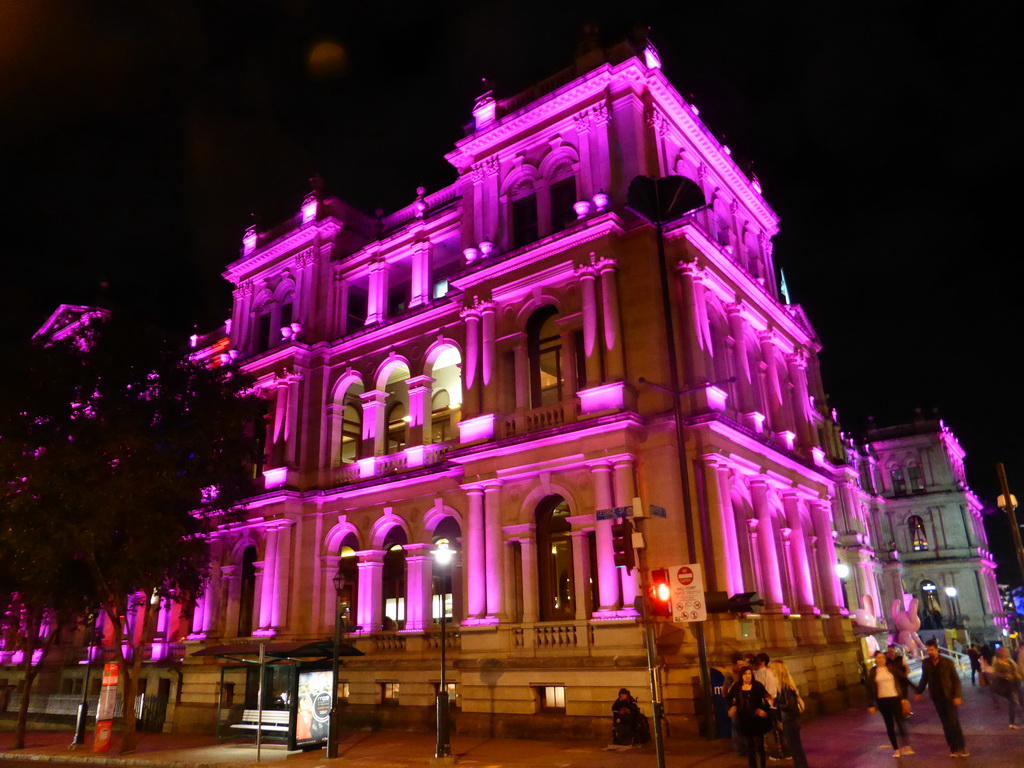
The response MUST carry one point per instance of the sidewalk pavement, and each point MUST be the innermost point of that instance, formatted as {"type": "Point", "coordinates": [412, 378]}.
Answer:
{"type": "Point", "coordinates": [852, 739]}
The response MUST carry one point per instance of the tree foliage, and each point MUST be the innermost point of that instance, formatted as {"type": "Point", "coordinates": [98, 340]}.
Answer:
{"type": "Point", "coordinates": [117, 454]}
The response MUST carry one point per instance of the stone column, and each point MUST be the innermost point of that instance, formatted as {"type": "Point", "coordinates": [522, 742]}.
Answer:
{"type": "Point", "coordinates": [420, 275]}
{"type": "Point", "coordinates": [745, 381]}
{"type": "Point", "coordinates": [581, 574]}
{"type": "Point", "coordinates": [370, 603]}
{"type": "Point", "coordinates": [625, 490]}
{"type": "Point", "coordinates": [696, 333]}
{"type": "Point", "coordinates": [419, 587]}
{"type": "Point", "coordinates": [774, 389]}
{"type": "Point", "coordinates": [607, 573]}
{"type": "Point", "coordinates": [770, 575]}
{"type": "Point", "coordinates": [801, 564]}
{"type": "Point", "coordinates": [241, 311]}
{"type": "Point", "coordinates": [801, 403]}
{"type": "Point", "coordinates": [522, 373]}
{"type": "Point", "coordinates": [495, 552]}
{"type": "Point", "coordinates": [476, 556]}
{"type": "Point", "coordinates": [282, 574]}
{"type": "Point", "coordinates": [374, 421]}
{"type": "Point", "coordinates": [569, 364]}
{"type": "Point", "coordinates": [582, 125]}
{"type": "Point", "coordinates": [727, 571]}
{"type": "Point", "coordinates": [420, 409]}
{"type": "Point", "coordinates": [337, 305]}
{"type": "Point", "coordinates": [377, 294]}
{"type": "Point", "coordinates": [471, 404]}
{"type": "Point", "coordinates": [821, 513]}
{"type": "Point", "coordinates": [587, 274]}
{"type": "Point", "coordinates": [488, 358]}
{"type": "Point", "coordinates": [269, 568]}
{"type": "Point", "coordinates": [616, 359]}
{"type": "Point", "coordinates": [230, 587]}
{"type": "Point", "coordinates": [531, 608]}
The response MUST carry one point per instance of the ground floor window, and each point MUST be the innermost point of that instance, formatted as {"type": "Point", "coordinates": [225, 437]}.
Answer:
{"type": "Point", "coordinates": [389, 693]}
{"type": "Point", "coordinates": [552, 697]}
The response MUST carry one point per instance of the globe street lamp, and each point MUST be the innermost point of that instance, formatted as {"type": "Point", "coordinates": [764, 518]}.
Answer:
{"type": "Point", "coordinates": [332, 723]}
{"type": "Point", "coordinates": [951, 593]}
{"type": "Point", "coordinates": [443, 557]}
{"type": "Point", "coordinates": [843, 572]}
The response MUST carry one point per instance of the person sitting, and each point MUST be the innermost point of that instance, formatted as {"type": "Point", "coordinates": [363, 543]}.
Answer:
{"type": "Point", "coordinates": [625, 714]}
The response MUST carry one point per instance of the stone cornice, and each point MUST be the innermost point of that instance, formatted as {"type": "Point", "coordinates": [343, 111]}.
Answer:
{"type": "Point", "coordinates": [303, 235]}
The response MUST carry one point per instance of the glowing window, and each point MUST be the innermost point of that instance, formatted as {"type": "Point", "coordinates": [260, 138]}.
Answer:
{"type": "Point", "coordinates": [552, 697]}
{"type": "Point", "coordinates": [918, 539]}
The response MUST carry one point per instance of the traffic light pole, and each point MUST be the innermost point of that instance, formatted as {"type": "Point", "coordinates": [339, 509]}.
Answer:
{"type": "Point", "coordinates": [707, 716]}
{"type": "Point", "coordinates": [651, 643]}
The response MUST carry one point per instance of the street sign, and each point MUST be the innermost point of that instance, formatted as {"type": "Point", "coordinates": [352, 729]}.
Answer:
{"type": "Point", "coordinates": [687, 594]}
{"type": "Point", "coordinates": [614, 512]}
{"type": "Point", "coordinates": [657, 511]}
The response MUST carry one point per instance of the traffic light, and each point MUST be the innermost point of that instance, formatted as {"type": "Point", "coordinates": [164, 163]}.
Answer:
{"type": "Point", "coordinates": [622, 543]}
{"type": "Point", "coordinates": [744, 602]}
{"type": "Point", "coordinates": [660, 593]}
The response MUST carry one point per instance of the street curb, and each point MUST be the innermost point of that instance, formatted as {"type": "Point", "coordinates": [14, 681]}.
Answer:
{"type": "Point", "coordinates": [122, 761]}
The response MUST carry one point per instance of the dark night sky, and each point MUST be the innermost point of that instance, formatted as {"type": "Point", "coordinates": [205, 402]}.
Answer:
{"type": "Point", "coordinates": [135, 140]}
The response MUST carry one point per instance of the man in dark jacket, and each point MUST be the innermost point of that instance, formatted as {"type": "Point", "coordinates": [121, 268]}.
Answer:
{"type": "Point", "coordinates": [940, 674]}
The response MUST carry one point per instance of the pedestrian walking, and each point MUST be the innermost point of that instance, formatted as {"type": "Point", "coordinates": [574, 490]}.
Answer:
{"type": "Point", "coordinates": [975, 656]}
{"type": "Point", "coordinates": [940, 676]}
{"type": "Point", "coordinates": [790, 706]}
{"type": "Point", "coordinates": [895, 658]}
{"type": "Point", "coordinates": [748, 703]}
{"type": "Point", "coordinates": [739, 744]}
{"type": "Point", "coordinates": [888, 687]}
{"type": "Point", "coordinates": [625, 714]}
{"type": "Point", "coordinates": [1006, 679]}
{"type": "Point", "coordinates": [774, 742]}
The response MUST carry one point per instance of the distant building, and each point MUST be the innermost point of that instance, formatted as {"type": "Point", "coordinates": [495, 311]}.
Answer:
{"type": "Point", "coordinates": [928, 530]}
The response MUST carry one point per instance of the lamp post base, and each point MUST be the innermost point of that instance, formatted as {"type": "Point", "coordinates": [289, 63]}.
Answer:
{"type": "Point", "coordinates": [442, 762]}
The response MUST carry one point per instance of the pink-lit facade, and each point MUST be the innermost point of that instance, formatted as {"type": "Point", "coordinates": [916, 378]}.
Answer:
{"type": "Point", "coordinates": [468, 369]}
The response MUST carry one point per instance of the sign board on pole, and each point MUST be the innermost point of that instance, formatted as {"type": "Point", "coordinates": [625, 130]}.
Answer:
{"type": "Point", "coordinates": [657, 511]}
{"type": "Point", "coordinates": [687, 594]}
{"type": "Point", "coordinates": [105, 710]}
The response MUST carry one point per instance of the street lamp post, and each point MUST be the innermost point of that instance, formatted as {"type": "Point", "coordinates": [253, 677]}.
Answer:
{"type": "Point", "coordinates": [332, 727]}
{"type": "Point", "coordinates": [83, 706]}
{"type": "Point", "coordinates": [951, 593]}
{"type": "Point", "coordinates": [1008, 502]}
{"type": "Point", "coordinates": [443, 556]}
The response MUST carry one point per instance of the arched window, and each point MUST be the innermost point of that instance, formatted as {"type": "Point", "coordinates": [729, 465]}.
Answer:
{"type": "Point", "coordinates": [351, 432]}
{"type": "Point", "coordinates": [447, 592]}
{"type": "Point", "coordinates": [524, 227]}
{"type": "Point", "coordinates": [398, 423]}
{"type": "Point", "coordinates": [393, 580]}
{"type": "Point", "coordinates": [544, 343]}
{"type": "Point", "coordinates": [563, 197]}
{"type": "Point", "coordinates": [446, 396]}
{"type": "Point", "coordinates": [348, 567]}
{"type": "Point", "coordinates": [930, 610]}
{"type": "Point", "coordinates": [557, 581]}
{"type": "Point", "coordinates": [247, 592]}
{"type": "Point", "coordinates": [918, 539]}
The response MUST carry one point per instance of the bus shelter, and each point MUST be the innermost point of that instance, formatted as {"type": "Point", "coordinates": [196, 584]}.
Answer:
{"type": "Point", "coordinates": [276, 691]}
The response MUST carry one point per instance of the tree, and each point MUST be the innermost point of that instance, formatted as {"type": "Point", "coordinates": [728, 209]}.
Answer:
{"type": "Point", "coordinates": [130, 452]}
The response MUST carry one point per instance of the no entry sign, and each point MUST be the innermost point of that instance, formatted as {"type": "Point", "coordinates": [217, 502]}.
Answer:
{"type": "Point", "coordinates": [687, 594]}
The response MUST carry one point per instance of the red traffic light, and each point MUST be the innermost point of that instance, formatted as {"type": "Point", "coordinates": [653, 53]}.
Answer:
{"type": "Point", "coordinates": [660, 592]}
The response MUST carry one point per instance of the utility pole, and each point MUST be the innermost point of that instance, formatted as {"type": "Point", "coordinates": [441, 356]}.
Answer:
{"type": "Point", "coordinates": [1008, 502]}
{"type": "Point", "coordinates": [657, 200]}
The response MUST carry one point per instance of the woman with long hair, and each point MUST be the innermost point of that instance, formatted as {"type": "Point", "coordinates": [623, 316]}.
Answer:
{"type": "Point", "coordinates": [887, 692]}
{"type": "Point", "coordinates": [790, 706]}
{"type": "Point", "coordinates": [749, 704]}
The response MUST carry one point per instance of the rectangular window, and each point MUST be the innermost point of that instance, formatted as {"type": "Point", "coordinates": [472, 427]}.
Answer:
{"type": "Point", "coordinates": [343, 690]}
{"type": "Point", "coordinates": [394, 609]}
{"type": "Point", "coordinates": [440, 289]}
{"type": "Point", "coordinates": [437, 606]}
{"type": "Point", "coordinates": [899, 483]}
{"type": "Point", "coordinates": [916, 477]}
{"type": "Point", "coordinates": [563, 198]}
{"type": "Point", "coordinates": [389, 693]}
{"type": "Point", "coordinates": [552, 697]}
{"type": "Point", "coordinates": [263, 333]}
{"type": "Point", "coordinates": [524, 221]}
